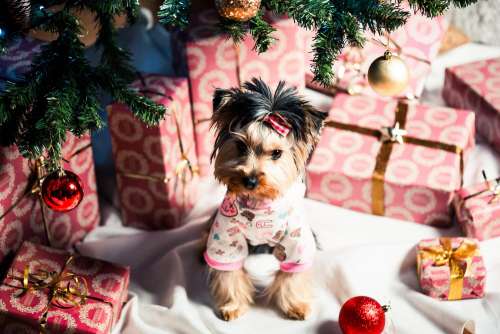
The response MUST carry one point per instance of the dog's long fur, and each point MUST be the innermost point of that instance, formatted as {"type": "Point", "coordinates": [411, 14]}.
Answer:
{"type": "Point", "coordinates": [245, 146]}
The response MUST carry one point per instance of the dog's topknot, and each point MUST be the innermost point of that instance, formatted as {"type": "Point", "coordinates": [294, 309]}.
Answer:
{"type": "Point", "coordinates": [236, 108]}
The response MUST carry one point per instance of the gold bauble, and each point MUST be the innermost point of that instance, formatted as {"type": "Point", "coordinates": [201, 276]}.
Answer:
{"type": "Point", "coordinates": [237, 10]}
{"type": "Point", "coordinates": [388, 75]}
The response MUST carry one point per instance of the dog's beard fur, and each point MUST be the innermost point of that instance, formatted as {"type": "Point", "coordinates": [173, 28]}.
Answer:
{"type": "Point", "coordinates": [244, 148]}
{"type": "Point", "coordinates": [250, 152]}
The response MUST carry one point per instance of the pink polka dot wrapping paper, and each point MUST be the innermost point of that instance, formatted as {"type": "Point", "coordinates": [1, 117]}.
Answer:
{"type": "Point", "coordinates": [213, 61]}
{"type": "Point", "coordinates": [477, 210]}
{"type": "Point", "coordinates": [141, 152]}
{"type": "Point", "coordinates": [24, 221]}
{"type": "Point", "coordinates": [419, 181]}
{"type": "Point", "coordinates": [476, 86]}
{"type": "Point", "coordinates": [417, 42]}
{"type": "Point", "coordinates": [107, 290]}
{"type": "Point", "coordinates": [435, 278]}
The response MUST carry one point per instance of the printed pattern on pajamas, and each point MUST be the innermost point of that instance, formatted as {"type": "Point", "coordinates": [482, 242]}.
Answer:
{"type": "Point", "coordinates": [279, 223]}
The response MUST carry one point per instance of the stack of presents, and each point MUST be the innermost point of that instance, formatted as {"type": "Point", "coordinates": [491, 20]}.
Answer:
{"type": "Point", "coordinates": [394, 157]}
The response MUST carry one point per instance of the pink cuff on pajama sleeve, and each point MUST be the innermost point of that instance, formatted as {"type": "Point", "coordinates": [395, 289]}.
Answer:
{"type": "Point", "coordinates": [223, 266]}
{"type": "Point", "coordinates": [291, 267]}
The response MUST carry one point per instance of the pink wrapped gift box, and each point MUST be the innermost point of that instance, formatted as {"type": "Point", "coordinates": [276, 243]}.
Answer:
{"type": "Point", "coordinates": [417, 42]}
{"type": "Point", "coordinates": [476, 86]}
{"type": "Point", "coordinates": [418, 181]}
{"type": "Point", "coordinates": [477, 209]}
{"type": "Point", "coordinates": [24, 220]}
{"type": "Point", "coordinates": [105, 285]}
{"type": "Point", "coordinates": [213, 61]}
{"type": "Point", "coordinates": [156, 185]}
{"type": "Point", "coordinates": [451, 268]}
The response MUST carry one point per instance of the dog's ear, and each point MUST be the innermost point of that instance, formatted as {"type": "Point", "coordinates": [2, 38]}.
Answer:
{"type": "Point", "coordinates": [314, 122]}
{"type": "Point", "coordinates": [222, 115]}
{"type": "Point", "coordinates": [221, 98]}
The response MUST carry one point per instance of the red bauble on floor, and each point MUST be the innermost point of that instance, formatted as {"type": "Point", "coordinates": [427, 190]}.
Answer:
{"type": "Point", "coordinates": [362, 315]}
{"type": "Point", "coordinates": [62, 191]}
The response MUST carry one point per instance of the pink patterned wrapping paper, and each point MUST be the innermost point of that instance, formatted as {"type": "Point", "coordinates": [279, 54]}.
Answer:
{"type": "Point", "coordinates": [154, 151]}
{"type": "Point", "coordinates": [477, 209]}
{"type": "Point", "coordinates": [476, 86]}
{"type": "Point", "coordinates": [24, 221]}
{"type": "Point", "coordinates": [107, 286]}
{"type": "Point", "coordinates": [417, 42]}
{"type": "Point", "coordinates": [435, 279]}
{"type": "Point", "coordinates": [213, 61]}
{"type": "Point", "coordinates": [419, 181]}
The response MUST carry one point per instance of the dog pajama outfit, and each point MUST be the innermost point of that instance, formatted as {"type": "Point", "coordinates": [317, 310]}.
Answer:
{"type": "Point", "coordinates": [279, 223]}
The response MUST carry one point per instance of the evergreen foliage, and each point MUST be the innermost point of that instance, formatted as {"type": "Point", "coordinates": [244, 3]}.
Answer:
{"type": "Point", "coordinates": [60, 92]}
{"type": "Point", "coordinates": [337, 23]}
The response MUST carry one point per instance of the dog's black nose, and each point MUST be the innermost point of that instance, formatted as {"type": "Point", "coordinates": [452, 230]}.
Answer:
{"type": "Point", "coordinates": [250, 182]}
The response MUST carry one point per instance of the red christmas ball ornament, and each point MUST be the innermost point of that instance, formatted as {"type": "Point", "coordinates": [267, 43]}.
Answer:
{"type": "Point", "coordinates": [62, 191]}
{"type": "Point", "coordinates": [362, 315]}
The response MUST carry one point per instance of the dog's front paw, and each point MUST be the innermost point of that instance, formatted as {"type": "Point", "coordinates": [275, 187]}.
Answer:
{"type": "Point", "coordinates": [298, 311]}
{"type": "Point", "coordinates": [231, 311]}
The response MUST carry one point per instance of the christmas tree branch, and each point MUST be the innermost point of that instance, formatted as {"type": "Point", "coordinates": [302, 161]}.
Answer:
{"type": "Point", "coordinates": [337, 23]}
{"type": "Point", "coordinates": [174, 13]}
{"type": "Point", "coordinates": [60, 92]}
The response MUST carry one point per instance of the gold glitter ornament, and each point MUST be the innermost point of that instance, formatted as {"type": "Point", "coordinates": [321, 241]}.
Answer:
{"type": "Point", "coordinates": [388, 75]}
{"type": "Point", "coordinates": [237, 10]}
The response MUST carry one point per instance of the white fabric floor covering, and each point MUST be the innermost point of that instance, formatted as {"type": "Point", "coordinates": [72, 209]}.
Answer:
{"type": "Point", "coordinates": [362, 255]}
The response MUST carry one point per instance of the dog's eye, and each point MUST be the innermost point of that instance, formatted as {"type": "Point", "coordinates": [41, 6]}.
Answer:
{"type": "Point", "coordinates": [276, 154]}
{"type": "Point", "coordinates": [241, 147]}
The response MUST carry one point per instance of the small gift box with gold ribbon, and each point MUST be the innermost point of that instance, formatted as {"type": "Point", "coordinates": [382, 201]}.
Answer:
{"type": "Point", "coordinates": [477, 209]}
{"type": "Point", "coordinates": [417, 43]}
{"type": "Point", "coordinates": [214, 61]}
{"type": "Point", "coordinates": [451, 268]}
{"type": "Point", "coordinates": [397, 159]}
{"type": "Point", "coordinates": [156, 167]}
{"type": "Point", "coordinates": [23, 214]}
{"type": "Point", "coordinates": [476, 86]}
{"type": "Point", "coordinates": [48, 290]}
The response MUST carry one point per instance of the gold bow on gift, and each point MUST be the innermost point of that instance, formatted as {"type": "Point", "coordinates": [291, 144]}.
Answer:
{"type": "Point", "coordinates": [65, 289]}
{"type": "Point", "coordinates": [458, 259]}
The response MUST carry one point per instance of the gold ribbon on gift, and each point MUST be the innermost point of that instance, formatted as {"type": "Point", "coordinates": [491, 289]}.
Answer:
{"type": "Point", "coordinates": [458, 259]}
{"type": "Point", "coordinates": [492, 188]}
{"type": "Point", "coordinates": [184, 170]}
{"type": "Point", "coordinates": [65, 289]}
{"type": "Point", "coordinates": [390, 136]}
{"type": "Point", "coordinates": [34, 187]}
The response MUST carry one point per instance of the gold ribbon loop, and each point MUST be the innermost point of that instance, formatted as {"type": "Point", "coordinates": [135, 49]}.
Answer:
{"type": "Point", "coordinates": [65, 289]}
{"type": "Point", "coordinates": [458, 259]}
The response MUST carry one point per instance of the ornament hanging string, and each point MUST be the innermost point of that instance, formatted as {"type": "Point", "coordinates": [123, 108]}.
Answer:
{"type": "Point", "coordinates": [390, 136]}
{"type": "Point", "coordinates": [392, 45]}
{"type": "Point", "coordinates": [492, 188]}
{"type": "Point", "coordinates": [65, 289]}
{"type": "Point", "coordinates": [458, 259]}
{"type": "Point", "coordinates": [357, 81]}
{"type": "Point", "coordinates": [34, 187]}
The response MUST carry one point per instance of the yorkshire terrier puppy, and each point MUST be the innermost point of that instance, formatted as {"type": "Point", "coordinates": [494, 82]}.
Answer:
{"type": "Point", "coordinates": [263, 142]}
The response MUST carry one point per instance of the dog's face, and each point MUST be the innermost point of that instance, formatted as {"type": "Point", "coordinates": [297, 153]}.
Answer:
{"type": "Point", "coordinates": [252, 157]}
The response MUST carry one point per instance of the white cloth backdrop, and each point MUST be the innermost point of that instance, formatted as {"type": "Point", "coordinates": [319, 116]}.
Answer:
{"type": "Point", "coordinates": [362, 255]}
